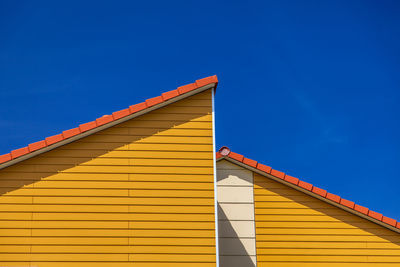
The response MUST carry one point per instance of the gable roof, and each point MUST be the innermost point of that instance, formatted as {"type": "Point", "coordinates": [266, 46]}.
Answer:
{"type": "Point", "coordinates": [107, 121]}
{"type": "Point", "coordinates": [293, 182]}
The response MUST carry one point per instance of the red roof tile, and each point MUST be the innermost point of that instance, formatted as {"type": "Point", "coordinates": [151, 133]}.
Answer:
{"type": "Point", "coordinates": [227, 153]}
{"type": "Point", "coordinates": [109, 118]}
{"type": "Point", "coordinates": [250, 162]}
{"type": "Point", "coordinates": [333, 197]}
{"type": "Point", "coordinates": [277, 174]}
{"type": "Point", "coordinates": [291, 179]}
{"type": "Point", "coordinates": [37, 145]}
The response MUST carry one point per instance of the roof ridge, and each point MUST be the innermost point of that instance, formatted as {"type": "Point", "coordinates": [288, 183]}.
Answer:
{"type": "Point", "coordinates": [108, 118]}
{"type": "Point", "coordinates": [225, 152]}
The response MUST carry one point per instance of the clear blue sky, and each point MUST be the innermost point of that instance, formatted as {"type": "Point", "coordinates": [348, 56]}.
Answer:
{"type": "Point", "coordinates": [311, 88]}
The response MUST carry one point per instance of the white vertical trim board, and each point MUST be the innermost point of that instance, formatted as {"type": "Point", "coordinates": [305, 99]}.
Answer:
{"type": "Point", "coordinates": [215, 182]}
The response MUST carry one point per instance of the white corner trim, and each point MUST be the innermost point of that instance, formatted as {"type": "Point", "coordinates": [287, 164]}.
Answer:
{"type": "Point", "coordinates": [215, 182]}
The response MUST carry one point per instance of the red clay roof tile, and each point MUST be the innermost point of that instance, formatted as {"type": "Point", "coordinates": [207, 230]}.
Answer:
{"type": "Point", "coordinates": [361, 209]}
{"type": "Point", "coordinates": [88, 126]}
{"type": "Point", "coordinates": [305, 185]}
{"type": "Point", "coordinates": [170, 94]}
{"type": "Point", "coordinates": [137, 107]}
{"type": "Point", "coordinates": [236, 156]}
{"type": "Point", "coordinates": [19, 152]}
{"type": "Point", "coordinates": [71, 132]}
{"type": "Point", "coordinates": [375, 215]}
{"type": "Point", "coordinates": [187, 88]}
{"type": "Point", "coordinates": [207, 80]}
{"type": "Point", "coordinates": [291, 179]}
{"type": "Point", "coordinates": [278, 174]}
{"type": "Point", "coordinates": [333, 197]}
{"type": "Point", "coordinates": [264, 168]}
{"type": "Point", "coordinates": [154, 101]}
{"type": "Point", "coordinates": [5, 157]}
{"type": "Point", "coordinates": [103, 120]}
{"type": "Point", "coordinates": [319, 191]}
{"type": "Point", "coordinates": [54, 139]}
{"type": "Point", "coordinates": [388, 220]}
{"type": "Point", "coordinates": [347, 203]}
{"type": "Point", "coordinates": [121, 113]}
{"type": "Point", "coordinates": [250, 162]}
{"type": "Point", "coordinates": [36, 146]}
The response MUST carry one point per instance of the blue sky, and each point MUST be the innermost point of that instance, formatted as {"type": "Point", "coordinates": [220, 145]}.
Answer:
{"type": "Point", "coordinates": [311, 88]}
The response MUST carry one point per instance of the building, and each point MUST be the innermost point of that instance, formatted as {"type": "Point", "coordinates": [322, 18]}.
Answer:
{"type": "Point", "coordinates": [145, 187]}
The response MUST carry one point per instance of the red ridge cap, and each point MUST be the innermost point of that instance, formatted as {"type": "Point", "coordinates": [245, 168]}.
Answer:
{"type": "Point", "coordinates": [375, 215]}
{"type": "Point", "coordinates": [71, 132]}
{"type": "Point", "coordinates": [154, 101]}
{"type": "Point", "coordinates": [170, 94]}
{"type": "Point", "coordinates": [305, 185]}
{"type": "Point", "coordinates": [5, 157]}
{"type": "Point", "coordinates": [19, 152]}
{"type": "Point", "coordinates": [121, 113]}
{"type": "Point", "coordinates": [108, 118]}
{"type": "Point", "coordinates": [390, 221]}
{"type": "Point", "coordinates": [291, 179]}
{"type": "Point", "coordinates": [207, 80]}
{"type": "Point", "coordinates": [250, 162]}
{"type": "Point", "coordinates": [347, 203]}
{"type": "Point", "coordinates": [54, 139]}
{"type": "Point", "coordinates": [361, 209]}
{"type": "Point", "coordinates": [278, 174]}
{"type": "Point", "coordinates": [37, 145]}
{"type": "Point", "coordinates": [333, 197]}
{"type": "Point", "coordinates": [264, 168]}
{"type": "Point", "coordinates": [103, 120]}
{"type": "Point", "coordinates": [187, 88]}
{"type": "Point", "coordinates": [88, 126]}
{"type": "Point", "coordinates": [137, 107]}
{"type": "Point", "coordinates": [319, 191]}
{"type": "Point", "coordinates": [316, 190]}
{"type": "Point", "coordinates": [236, 156]}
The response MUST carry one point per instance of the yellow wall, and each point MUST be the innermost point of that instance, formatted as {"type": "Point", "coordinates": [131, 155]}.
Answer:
{"type": "Point", "coordinates": [137, 194]}
{"type": "Point", "coordinates": [294, 229]}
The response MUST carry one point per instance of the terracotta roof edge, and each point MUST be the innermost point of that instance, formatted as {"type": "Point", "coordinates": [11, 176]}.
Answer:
{"type": "Point", "coordinates": [312, 190]}
{"type": "Point", "coordinates": [101, 123]}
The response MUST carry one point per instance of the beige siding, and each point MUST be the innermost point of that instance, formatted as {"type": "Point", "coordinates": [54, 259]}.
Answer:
{"type": "Point", "coordinates": [138, 194]}
{"type": "Point", "coordinates": [236, 216]}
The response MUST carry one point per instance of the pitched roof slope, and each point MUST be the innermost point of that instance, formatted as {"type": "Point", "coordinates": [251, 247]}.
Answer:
{"type": "Point", "coordinates": [7, 159]}
{"type": "Point", "coordinates": [225, 152]}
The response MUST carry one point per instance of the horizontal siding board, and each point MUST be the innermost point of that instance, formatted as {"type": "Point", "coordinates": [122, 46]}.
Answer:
{"type": "Point", "coordinates": [137, 193]}
{"type": "Point", "coordinates": [294, 228]}
{"type": "Point", "coordinates": [125, 200]}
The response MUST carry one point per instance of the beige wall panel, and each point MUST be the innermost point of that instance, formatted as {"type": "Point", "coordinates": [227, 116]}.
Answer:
{"type": "Point", "coordinates": [233, 246]}
{"type": "Point", "coordinates": [240, 177]}
{"type": "Point", "coordinates": [236, 215]}
{"type": "Point", "coordinates": [236, 228]}
{"type": "Point", "coordinates": [235, 211]}
{"type": "Point", "coordinates": [235, 194]}
{"type": "Point", "coordinates": [238, 261]}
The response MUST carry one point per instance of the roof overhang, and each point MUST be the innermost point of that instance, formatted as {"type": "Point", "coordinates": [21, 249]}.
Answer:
{"type": "Point", "coordinates": [295, 187]}
{"type": "Point", "coordinates": [108, 125]}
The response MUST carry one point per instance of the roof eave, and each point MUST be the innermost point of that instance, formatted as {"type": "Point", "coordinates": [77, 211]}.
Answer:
{"type": "Point", "coordinates": [395, 229]}
{"type": "Point", "coordinates": [107, 125]}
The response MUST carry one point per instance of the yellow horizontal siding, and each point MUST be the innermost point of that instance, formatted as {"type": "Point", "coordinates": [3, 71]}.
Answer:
{"type": "Point", "coordinates": [293, 228]}
{"type": "Point", "coordinates": [137, 194]}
